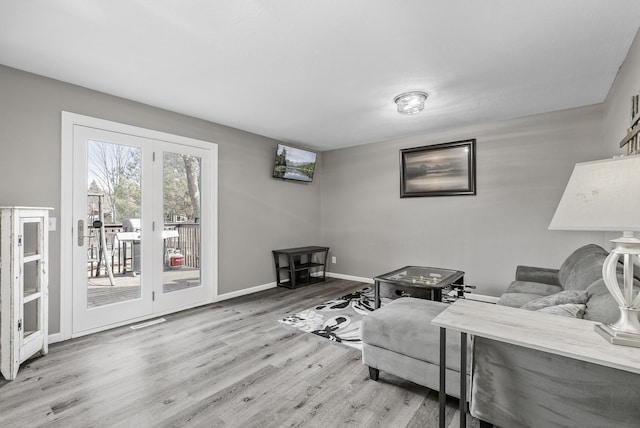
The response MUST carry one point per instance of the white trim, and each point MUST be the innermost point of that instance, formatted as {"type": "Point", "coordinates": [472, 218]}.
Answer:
{"type": "Point", "coordinates": [246, 291]}
{"type": "Point", "coordinates": [66, 225]}
{"type": "Point", "coordinates": [68, 121]}
{"type": "Point", "coordinates": [136, 131]}
{"type": "Point", "coordinates": [350, 277]}
{"type": "Point", "coordinates": [55, 338]}
{"type": "Point", "coordinates": [137, 320]}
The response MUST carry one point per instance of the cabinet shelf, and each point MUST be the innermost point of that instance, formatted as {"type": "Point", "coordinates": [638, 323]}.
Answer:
{"type": "Point", "coordinates": [301, 266]}
{"type": "Point", "coordinates": [32, 258]}
{"type": "Point", "coordinates": [30, 297]}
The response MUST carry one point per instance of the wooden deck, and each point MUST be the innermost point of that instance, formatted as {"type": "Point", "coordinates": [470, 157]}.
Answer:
{"type": "Point", "coordinates": [127, 286]}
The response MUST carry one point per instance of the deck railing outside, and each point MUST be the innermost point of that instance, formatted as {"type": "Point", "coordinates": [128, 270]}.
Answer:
{"type": "Point", "coordinates": [188, 242]}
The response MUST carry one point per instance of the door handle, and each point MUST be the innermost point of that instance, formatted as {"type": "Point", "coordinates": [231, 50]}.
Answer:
{"type": "Point", "coordinates": [81, 234]}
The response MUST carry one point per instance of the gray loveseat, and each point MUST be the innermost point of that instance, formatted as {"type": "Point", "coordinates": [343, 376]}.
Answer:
{"type": "Point", "coordinates": [581, 272]}
{"type": "Point", "coordinates": [518, 387]}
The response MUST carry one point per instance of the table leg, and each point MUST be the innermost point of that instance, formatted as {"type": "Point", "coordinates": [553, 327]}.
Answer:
{"type": "Point", "coordinates": [134, 268]}
{"type": "Point", "coordinates": [292, 272]}
{"type": "Point", "coordinates": [276, 259]}
{"type": "Point", "coordinates": [463, 380]}
{"type": "Point", "coordinates": [124, 257]}
{"type": "Point", "coordinates": [442, 395]}
{"type": "Point", "coordinates": [376, 295]}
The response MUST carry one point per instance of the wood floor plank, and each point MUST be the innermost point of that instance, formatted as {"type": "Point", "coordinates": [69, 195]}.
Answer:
{"type": "Point", "coordinates": [228, 364]}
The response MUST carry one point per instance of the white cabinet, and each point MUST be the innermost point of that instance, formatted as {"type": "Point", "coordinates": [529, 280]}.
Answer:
{"type": "Point", "coordinates": [24, 243]}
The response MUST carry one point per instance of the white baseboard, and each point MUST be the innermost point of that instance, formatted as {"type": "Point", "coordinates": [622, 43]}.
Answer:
{"type": "Point", "coordinates": [263, 287]}
{"type": "Point", "coordinates": [350, 277]}
{"type": "Point", "coordinates": [54, 338]}
{"type": "Point", "coordinates": [57, 337]}
{"type": "Point", "coordinates": [245, 291]}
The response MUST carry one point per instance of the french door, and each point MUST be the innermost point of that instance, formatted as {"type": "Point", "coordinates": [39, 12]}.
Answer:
{"type": "Point", "coordinates": [142, 225]}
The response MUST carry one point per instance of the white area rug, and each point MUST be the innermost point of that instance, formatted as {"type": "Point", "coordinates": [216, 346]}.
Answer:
{"type": "Point", "coordinates": [338, 319]}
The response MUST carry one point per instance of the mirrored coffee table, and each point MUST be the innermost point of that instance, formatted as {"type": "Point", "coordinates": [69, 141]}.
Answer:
{"type": "Point", "coordinates": [416, 281]}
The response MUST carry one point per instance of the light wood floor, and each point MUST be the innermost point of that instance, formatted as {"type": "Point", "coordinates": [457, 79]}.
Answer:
{"type": "Point", "coordinates": [228, 364]}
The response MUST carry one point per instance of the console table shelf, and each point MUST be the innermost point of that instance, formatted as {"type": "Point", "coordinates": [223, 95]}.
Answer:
{"type": "Point", "coordinates": [301, 266]}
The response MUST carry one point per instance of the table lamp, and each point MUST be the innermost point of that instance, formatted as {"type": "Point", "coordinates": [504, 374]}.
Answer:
{"type": "Point", "coordinates": [604, 195]}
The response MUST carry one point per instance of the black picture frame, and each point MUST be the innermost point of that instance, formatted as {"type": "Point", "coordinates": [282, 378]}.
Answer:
{"type": "Point", "coordinates": [447, 169]}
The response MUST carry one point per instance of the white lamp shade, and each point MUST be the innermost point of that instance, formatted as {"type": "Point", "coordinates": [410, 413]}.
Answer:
{"type": "Point", "coordinates": [601, 195]}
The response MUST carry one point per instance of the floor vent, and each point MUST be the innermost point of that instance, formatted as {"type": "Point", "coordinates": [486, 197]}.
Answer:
{"type": "Point", "coordinates": [148, 323]}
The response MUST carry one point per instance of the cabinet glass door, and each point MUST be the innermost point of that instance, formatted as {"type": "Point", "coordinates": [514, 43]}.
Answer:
{"type": "Point", "coordinates": [33, 313]}
{"type": "Point", "coordinates": [32, 276]}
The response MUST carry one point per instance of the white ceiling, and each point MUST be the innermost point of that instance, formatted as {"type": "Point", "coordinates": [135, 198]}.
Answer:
{"type": "Point", "coordinates": [323, 73]}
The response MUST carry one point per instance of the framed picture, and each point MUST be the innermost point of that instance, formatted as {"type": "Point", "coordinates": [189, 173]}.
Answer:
{"type": "Point", "coordinates": [439, 170]}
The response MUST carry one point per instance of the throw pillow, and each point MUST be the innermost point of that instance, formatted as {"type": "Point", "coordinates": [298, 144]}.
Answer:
{"type": "Point", "coordinates": [568, 296]}
{"type": "Point", "coordinates": [572, 310]}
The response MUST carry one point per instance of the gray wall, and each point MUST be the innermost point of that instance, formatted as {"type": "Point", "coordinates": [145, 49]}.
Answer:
{"type": "Point", "coordinates": [523, 166]}
{"type": "Point", "coordinates": [617, 107]}
{"type": "Point", "coordinates": [256, 213]}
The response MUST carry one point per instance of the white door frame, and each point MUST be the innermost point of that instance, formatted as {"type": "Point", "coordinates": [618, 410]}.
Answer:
{"type": "Point", "coordinates": [69, 120]}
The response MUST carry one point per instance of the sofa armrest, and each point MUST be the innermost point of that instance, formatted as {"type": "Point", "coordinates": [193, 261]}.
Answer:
{"type": "Point", "coordinates": [537, 274]}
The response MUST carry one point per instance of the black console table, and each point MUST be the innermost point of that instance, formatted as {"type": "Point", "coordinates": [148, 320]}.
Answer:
{"type": "Point", "coordinates": [300, 266]}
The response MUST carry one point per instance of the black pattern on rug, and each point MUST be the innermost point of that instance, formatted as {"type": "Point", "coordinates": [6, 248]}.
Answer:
{"type": "Point", "coordinates": [337, 320]}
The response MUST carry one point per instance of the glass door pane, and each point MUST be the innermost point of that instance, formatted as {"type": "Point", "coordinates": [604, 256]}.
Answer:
{"type": "Point", "coordinates": [112, 247]}
{"type": "Point", "coordinates": [181, 202]}
{"type": "Point", "coordinates": [114, 206]}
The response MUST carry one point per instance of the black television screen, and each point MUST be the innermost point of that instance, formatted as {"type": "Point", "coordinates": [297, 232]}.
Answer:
{"type": "Point", "coordinates": [294, 164]}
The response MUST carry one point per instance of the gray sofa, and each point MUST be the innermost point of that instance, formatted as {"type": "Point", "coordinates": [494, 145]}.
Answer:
{"type": "Point", "coordinates": [518, 387]}
{"type": "Point", "coordinates": [580, 272]}
{"type": "Point", "coordinates": [511, 386]}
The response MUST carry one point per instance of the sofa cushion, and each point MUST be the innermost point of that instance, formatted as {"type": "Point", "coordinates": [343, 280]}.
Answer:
{"type": "Point", "coordinates": [404, 326]}
{"type": "Point", "coordinates": [537, 274]}
{"type": "Point", "coordinates": [521, 292]}
{"type": "Point", "coordinates": [601, 306]}
{"type": "Point", "coordinates": [571, 310]}
{"type": "Point", "coordinates": [561, 298]}
{"type": "Point", "coordinates": [516, 300]}
{"type": "Point", "coordinates": [536, 288]}
{"type": "Point", "coordinates": [582, 267]}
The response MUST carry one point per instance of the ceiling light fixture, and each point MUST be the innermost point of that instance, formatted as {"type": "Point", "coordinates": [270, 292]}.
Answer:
{"type": "Point", "coordinates": [411, 102]}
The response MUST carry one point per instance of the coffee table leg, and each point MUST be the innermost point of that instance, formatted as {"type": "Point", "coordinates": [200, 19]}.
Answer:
{"type": "Point", "coordinates": [442, 395]}
{"type": "Point", "coordinates": [376, 295]}
{"type": "Point", "coordinates": [463, 380]}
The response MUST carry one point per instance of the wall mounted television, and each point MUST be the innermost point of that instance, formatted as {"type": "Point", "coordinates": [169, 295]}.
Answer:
{"type": "Point", "coordinates": [294, 164]}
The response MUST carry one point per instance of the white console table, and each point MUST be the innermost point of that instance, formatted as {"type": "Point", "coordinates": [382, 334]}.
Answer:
{"type": "Point", "coordinates": [569, 337]}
